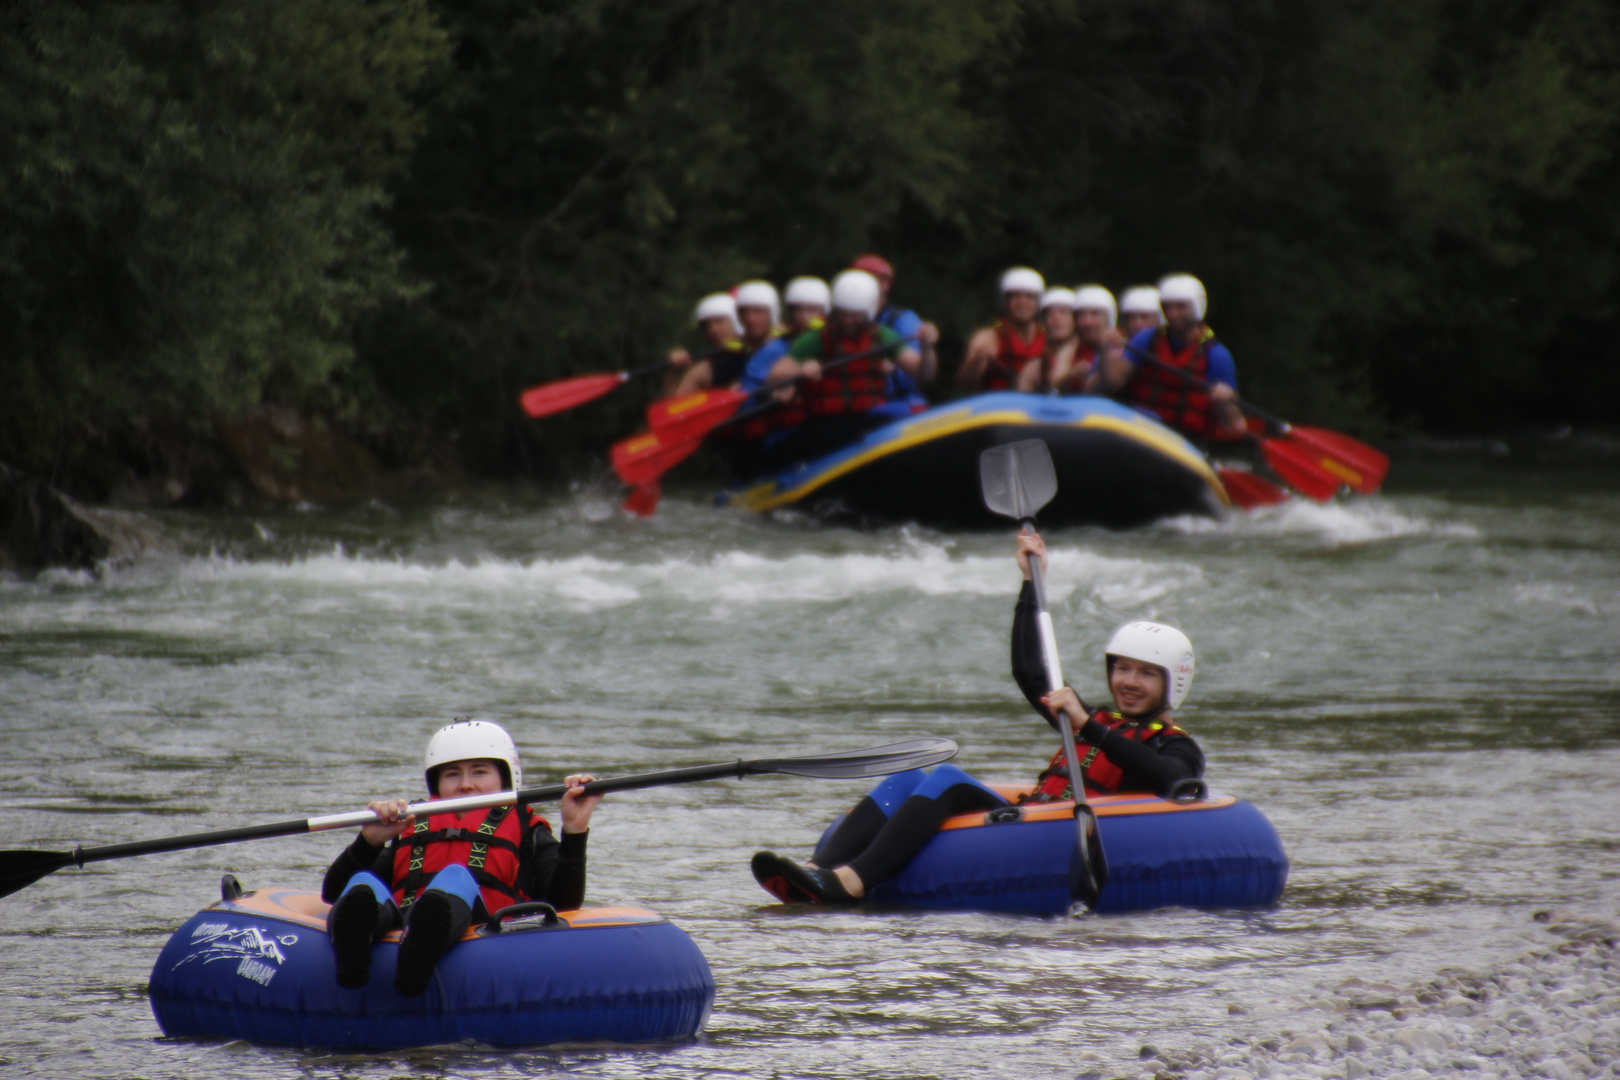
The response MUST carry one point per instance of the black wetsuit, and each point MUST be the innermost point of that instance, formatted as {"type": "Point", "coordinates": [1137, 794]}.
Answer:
{"type": "Point", "coordinates": [553, 870]}
{"type": "Point", "coordinates": [877, 846]}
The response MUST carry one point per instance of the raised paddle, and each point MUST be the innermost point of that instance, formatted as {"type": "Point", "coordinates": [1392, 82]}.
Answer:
{"type": "Point", "coordinates": [19, 869]}
{"type": "Point", "coordinates": [1017, 479]}
{"type": "Point", "coordinates": [678, 426]}
{"type": "Point", "coordinates": [563, 394]}
{"type": "Point", "coordinates": [1318, 459]}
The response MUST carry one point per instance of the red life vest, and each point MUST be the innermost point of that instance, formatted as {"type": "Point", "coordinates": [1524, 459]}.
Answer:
{"type": "Point", "coordinates": [1085, 358]}
{"type": "Point", "coordinates": [1177, 402]}
{"type": "Point", "coordinates": [1100, 774]}
{"type": "Point", "coordinates": [858, 386]}
{"type": "Point", "coordinates": [486, 842]}
{"type": "Point", "coordinates": [1012, 354]}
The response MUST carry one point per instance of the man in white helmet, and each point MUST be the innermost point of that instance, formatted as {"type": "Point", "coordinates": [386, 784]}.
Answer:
{"type": "Point", "coordinates": [722, 363]}
{"type": "Point", "coordinates": [431, 877]}
{"type": "Point", "coordinates": [1136, 746]}
{"type": "Point", "coordinates": [1094, 317]}
{"type": "Point", "coordinates": [1139, 310]}
{"type": "Point", "coordinates": [1145, 375]}
{"type": "Point", "coordinates": [997, 354]}
{"type": "Point", "coordinates": [808, 301]}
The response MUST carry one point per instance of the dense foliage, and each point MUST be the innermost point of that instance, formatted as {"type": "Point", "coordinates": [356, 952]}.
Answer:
{"type": "Point", "coordinates": [1404, 211]}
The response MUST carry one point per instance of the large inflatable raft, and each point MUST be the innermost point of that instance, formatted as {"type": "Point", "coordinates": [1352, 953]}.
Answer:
{"type": "Point", "coordinates": [1215, 852]}
{"type": "Point", "coordinates": [259, 966]}
{"type": "Point", "coordinates": [1115, 467]}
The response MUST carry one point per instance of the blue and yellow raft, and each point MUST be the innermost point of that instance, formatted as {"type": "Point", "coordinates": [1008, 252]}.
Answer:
{"type": "Point", "coordinates": [1115, 467]}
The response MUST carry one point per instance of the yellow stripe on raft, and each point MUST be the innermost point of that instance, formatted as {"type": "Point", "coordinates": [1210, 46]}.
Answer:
{"type": "Point", "coordinates": [763, 497]}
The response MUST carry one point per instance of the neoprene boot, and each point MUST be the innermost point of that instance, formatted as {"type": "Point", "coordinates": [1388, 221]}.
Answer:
{"type": "Point", "coordinates": [436, 922]}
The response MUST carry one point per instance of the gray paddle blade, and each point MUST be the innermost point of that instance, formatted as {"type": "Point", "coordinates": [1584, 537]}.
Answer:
{"type": "Point", "coordinates": [872, 761]}
{"type": "Point", "coordinates": [1017, 478]}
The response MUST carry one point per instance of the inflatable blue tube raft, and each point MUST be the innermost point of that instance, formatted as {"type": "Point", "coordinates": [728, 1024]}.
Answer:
{"type": "Point", "coordinates": [1217, 853]}
{"type": "Point", "coordinates": [1115, 467]}
{"type": "Point", "coordinates": [260, 967]}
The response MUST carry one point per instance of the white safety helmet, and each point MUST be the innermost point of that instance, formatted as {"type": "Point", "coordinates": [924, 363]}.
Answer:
{"type": "Point", "coordinates": [856, 290]}
{"type": "Point", "coordinates": [1096, 298]}
{"type": "Point", "coordinates": [1156, 643]}
{"type": "Point", "coordinates": [1142, 300]}
{"type": "Point", "coordinates": [808, 290]}
{"type": "Point", "coordinates": [466, 740]}
{"type": "Point", "coordinates": [718, 306]}
{"type": "Point", "coordinates": [1060, 297]}
{"type": "Point", "coordinates": [759, 294]}
{"type": "Point", "coordinates": [1022, 279]}
{"type": "Point", "coordinates": [1185, 287]}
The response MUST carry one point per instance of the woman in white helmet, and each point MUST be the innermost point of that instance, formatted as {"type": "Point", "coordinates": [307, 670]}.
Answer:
{"type": "Point", "coordinates": [1057, 324]}
{"type": "Point", "coordinates": [808, 301]}
{"type": "Point", "coordinates": [437, 876]}
{"type": "Point", "coordinates": [997, 354]}
{"type": "Point", "coordinates": [1139, 310]}
{"type": "Point", "coordinates": [1135, 746]}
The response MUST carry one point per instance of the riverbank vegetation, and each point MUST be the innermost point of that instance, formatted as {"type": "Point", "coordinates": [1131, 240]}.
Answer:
{"type": "Point", "coordinates": [393, 216]}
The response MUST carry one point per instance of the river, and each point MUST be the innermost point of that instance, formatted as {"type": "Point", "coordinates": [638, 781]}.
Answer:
{"type": "Point", "coordinates": [1420, 689]}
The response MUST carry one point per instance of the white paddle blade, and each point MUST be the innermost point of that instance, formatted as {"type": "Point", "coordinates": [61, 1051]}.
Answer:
{"type": "Point", "coordinates": [1017, 479]}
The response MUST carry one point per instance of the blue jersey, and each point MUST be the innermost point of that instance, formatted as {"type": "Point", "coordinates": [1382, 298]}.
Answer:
{"type": "Point", "coordinates": [1217, 360]}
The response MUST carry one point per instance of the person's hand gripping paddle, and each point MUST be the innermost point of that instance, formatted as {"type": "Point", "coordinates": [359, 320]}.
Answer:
{"type": "Point", "coordinates": [1017, 479]}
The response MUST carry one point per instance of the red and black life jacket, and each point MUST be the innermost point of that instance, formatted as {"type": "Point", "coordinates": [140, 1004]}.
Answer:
{"type": "Point", "coordinates": [1085, 358]}
{"type": "Point", "coordinates": [1012, 354]}
{"type": "Point", "coordinates": [1101, 774]}
{"type": "Point", "coordinates": [858, 386]}
{"type": "Point", "coordinates": [1177, 402]}
{"type": "Point", "coordinates": [486, 842]}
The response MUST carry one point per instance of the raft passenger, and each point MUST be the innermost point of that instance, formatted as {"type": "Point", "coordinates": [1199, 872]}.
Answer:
{"type": "Point", "coordinates": [723, 362]}
{"type": "Point", "coordinates": [808, 301]}
{"type": "Point", "coordinates": [1094, 316]}
{"type": "Point", "coordinates": [1139, 310]}
{"type": "Point", "coordinates": [997, 354]}
{"type": "Point", "coordinates": [1136, 746]}
{"type": "Point", "coordinates": [1057, 322]}
{"type": "Point", "coordinates": [428, 877]}
{"type": "Point", "coordinates": [903, 321]}
{"type": "Point", "coordinates": [1187, 344]}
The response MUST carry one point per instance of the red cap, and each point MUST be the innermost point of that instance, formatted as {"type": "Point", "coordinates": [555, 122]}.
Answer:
{"type": "Point", "coordinates": [876, 265]}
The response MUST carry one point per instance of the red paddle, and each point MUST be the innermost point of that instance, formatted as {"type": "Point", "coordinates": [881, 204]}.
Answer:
{"type": "Point", "coordinates": [563, 394]}
{"type": "Point", "coordinates": [1247, 490]}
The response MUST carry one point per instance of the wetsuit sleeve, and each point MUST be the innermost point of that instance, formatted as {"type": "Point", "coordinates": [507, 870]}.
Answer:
{"type": "Point", "coordinates": [1028, 662]}
{"type": "Point", "coordinates": [557, 868]}
{"type": "Point", "coordinates": [358, 856]}
{"type": "Point", "coordinates": [1146, 768]}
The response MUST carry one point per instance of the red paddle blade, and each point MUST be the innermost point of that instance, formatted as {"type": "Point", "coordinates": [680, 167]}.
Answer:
{"type": "Point", "coordinates": [1299, 469]}
{"type": "Point", "coordinates": [692, 416]}
{"type": "Point", "coordinates": [642, 459]}
{"type": "Point", "coordinates": [1360, 466]}
{"type": "Point", "coordinates": [555, 397]}
{"type": "Point", "coordinates": [642, 500]}
{"type": "Point", "coordinates": [1248, 491]}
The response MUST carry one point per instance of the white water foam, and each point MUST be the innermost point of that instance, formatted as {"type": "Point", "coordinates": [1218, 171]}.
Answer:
{"type": "Point", "coordinates": [590, 583]}
{"type": "Point", "coordinates": [1335, 524]}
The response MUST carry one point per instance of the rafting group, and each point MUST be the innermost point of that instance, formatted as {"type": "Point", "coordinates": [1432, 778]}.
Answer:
{"type": "Point", "coordinates": [816, 396]}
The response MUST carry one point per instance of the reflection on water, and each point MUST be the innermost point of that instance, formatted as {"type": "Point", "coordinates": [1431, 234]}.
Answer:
{"type": "Point", "coordinates": [1420, 690]}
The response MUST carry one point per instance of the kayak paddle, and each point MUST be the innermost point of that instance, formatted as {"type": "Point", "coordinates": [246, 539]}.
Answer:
{"type": "Point", "coordinates": [1017, 479]}
{"type": "Point", "coordinates": [20, 868]}
{"type": "Point", "coordinates": [563, 394]}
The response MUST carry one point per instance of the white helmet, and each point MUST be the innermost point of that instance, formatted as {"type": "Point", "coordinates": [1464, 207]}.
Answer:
{"type": "Point", "coordinates": [1022, 279]}
{"type": "Point", "coordinates": [1096, 298]}
{"type": "Point", "coordinates": [718, 306]}
{"type": "Point", "coordinates": [856, 290]}
{"type": "Point", "coordinates": [808, 290]}
{"type": "Point", "coordinates": [1156, 643]}
{"type": "Point", "coordinates": [1058, 298]}
{"type": "Point", "coordinates": [466, 740]}
{"type": "Point", "coordinates": [1142, 299]}
{"type": "Point", "coordinates": [759, 294]}
{"type": "Point", "coordinates": [1185, 287]}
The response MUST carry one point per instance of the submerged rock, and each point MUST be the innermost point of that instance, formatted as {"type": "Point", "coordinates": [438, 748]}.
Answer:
{"type": "Point", "coordinates": [42, 528]}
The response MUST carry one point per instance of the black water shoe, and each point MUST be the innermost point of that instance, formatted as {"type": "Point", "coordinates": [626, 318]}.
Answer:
{"type": "Point", "coordinates": [794, 884]}
{"type": "Point", "coordinates": [353, 927]}
{"type": "Point", "coordinates": [428, 934]}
